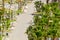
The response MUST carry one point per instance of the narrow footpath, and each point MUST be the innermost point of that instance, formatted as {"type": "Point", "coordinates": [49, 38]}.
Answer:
{"type": "Point", "coordinates": [22, 22]}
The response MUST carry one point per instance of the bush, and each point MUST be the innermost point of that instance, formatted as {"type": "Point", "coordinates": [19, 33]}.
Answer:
{"type": "Point", "coordinates": [47, 23]}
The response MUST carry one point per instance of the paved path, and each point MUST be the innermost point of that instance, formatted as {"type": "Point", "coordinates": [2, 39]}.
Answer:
{"type": "Point", "coordinates": [21, 24]}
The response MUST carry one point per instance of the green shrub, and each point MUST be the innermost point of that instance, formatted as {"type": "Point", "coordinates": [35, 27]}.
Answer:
{"type": "Point", "coordinates": [46, 23]}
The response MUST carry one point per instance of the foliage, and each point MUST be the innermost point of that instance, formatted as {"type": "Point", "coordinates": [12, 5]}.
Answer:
{"type": "Point", "coordinates": [1, 12]}
{"type": "Point", "coordinates": [19, 11]}
{"type": "Point", "coordinates": [38, 5]}
{"type": "Point", "coordinates": [0, 37]}
{"type": "Point", "coordinates": [5, 21]}
{"type": "Point", "coordinates": [46, 22]}
{"type": "Point", "coordinates": [6, 15]}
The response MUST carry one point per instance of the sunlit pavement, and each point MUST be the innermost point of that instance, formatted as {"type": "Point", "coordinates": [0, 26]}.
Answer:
{"type": "Point", "coordinates": [22, 22]}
